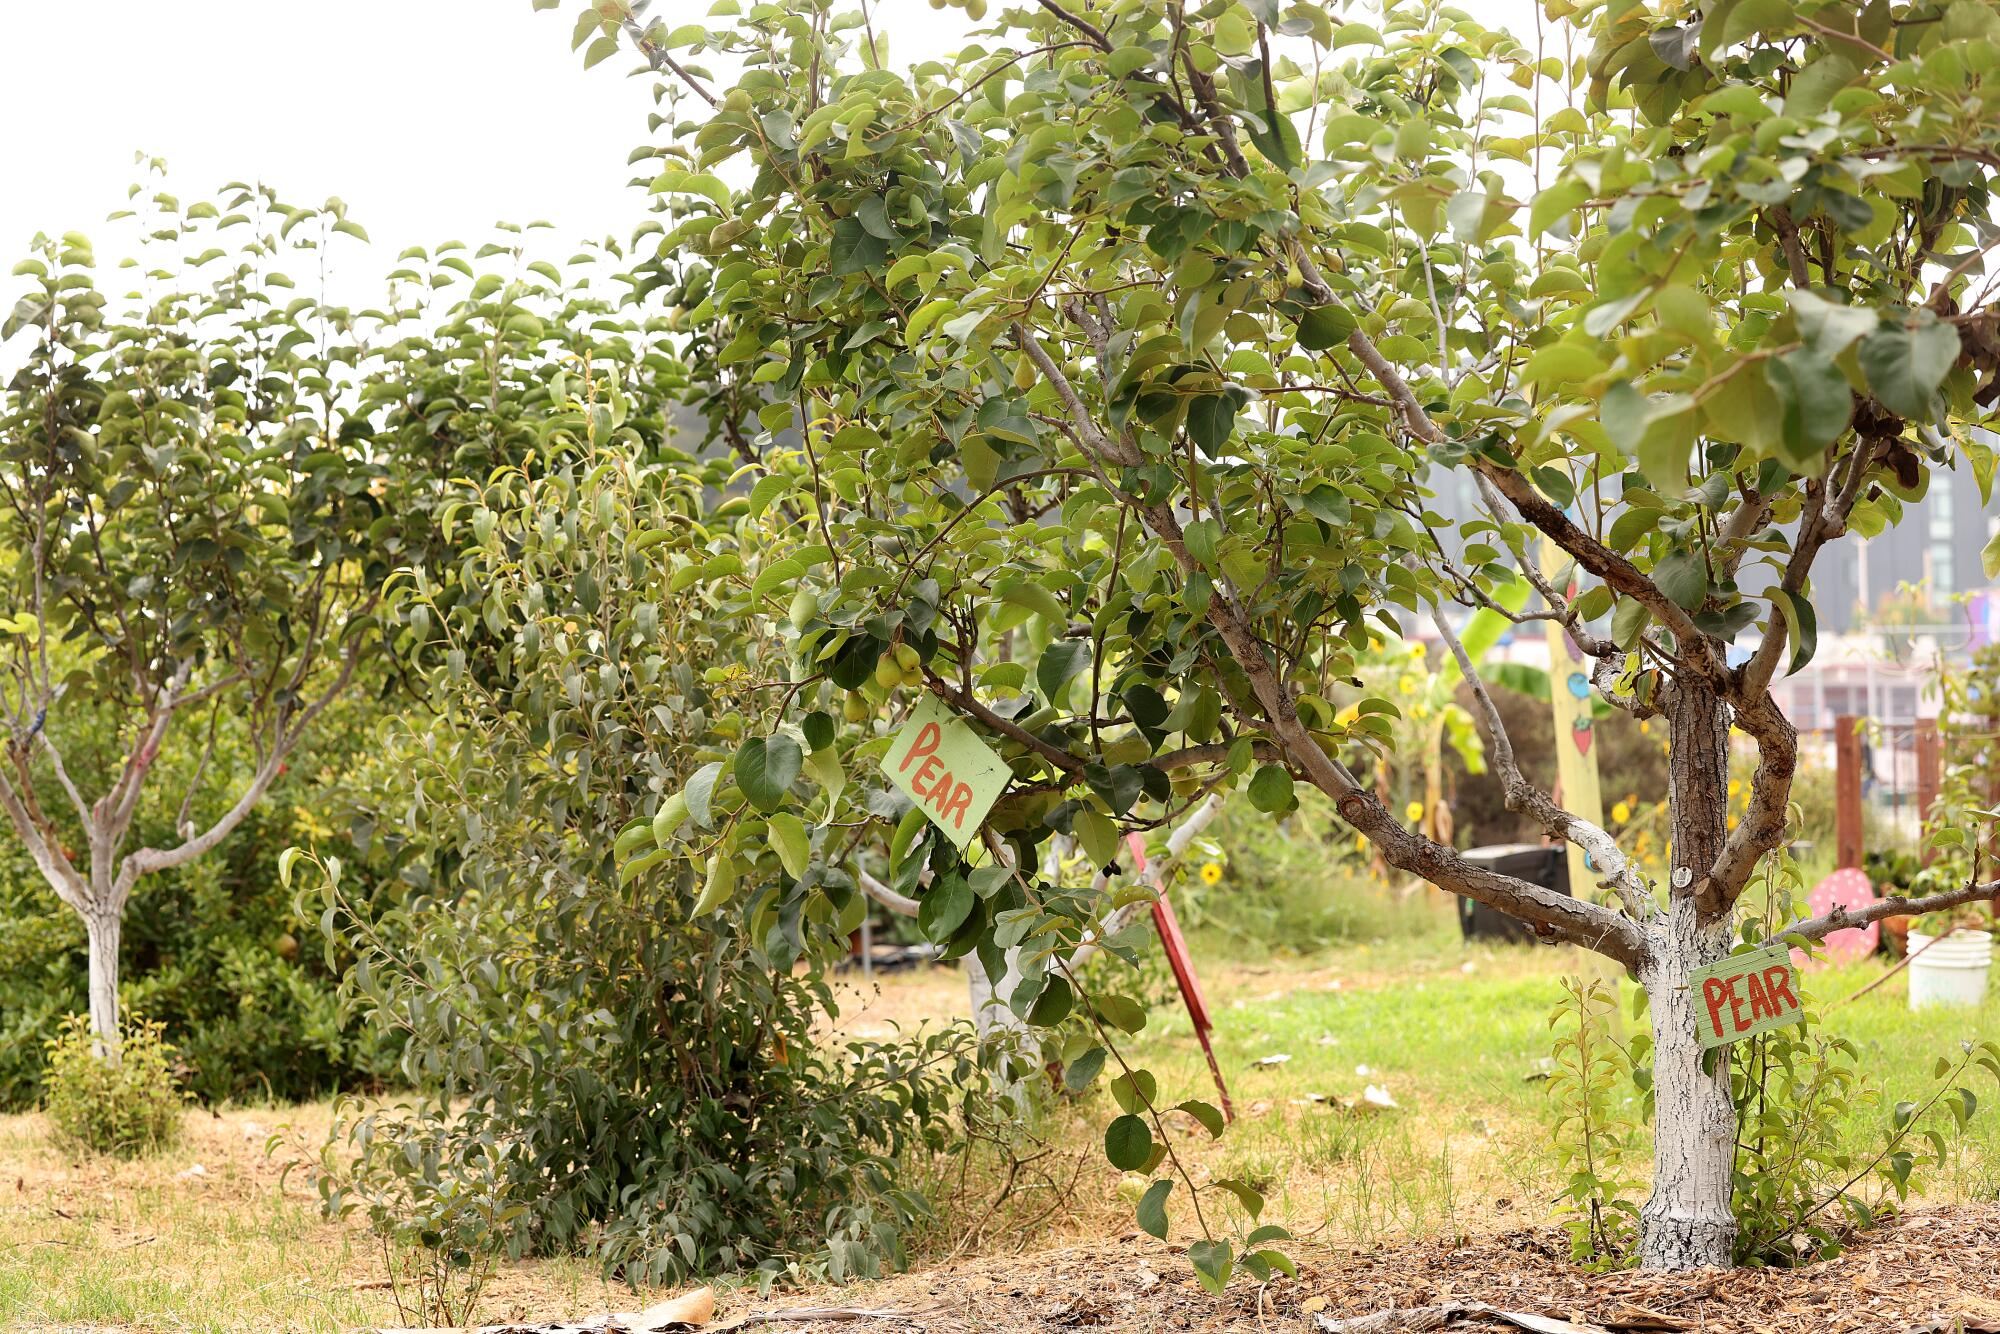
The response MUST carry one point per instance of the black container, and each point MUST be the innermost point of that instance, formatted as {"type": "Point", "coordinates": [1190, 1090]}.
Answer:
{"type": "Point", "coordinates": [1541, 864]}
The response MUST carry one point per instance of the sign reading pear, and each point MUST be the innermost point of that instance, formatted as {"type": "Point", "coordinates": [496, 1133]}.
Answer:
{"type": "Point", "coordinates": [1744, 995]}
{"type": "Point", "coordinates": [943, 766]}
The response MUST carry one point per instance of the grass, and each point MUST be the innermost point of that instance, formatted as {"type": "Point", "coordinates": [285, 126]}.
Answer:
{"type": "Point", "coordinates": [1452, 1032]}
{"type": "Point", "coordinates": [155, 1245]}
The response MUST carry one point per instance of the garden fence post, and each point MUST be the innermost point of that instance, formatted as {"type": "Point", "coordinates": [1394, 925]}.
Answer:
{"type": "Point", "coordinates": [1847, 790]}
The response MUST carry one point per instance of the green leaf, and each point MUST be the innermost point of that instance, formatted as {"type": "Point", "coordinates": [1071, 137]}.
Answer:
{"type": "Point", "coordinates": [1128, 1143]}
{"type": "Point", "coordinates": [1212, 1264]}
{"type": "Point", "coordinates": [788, 838]}
{"type": "Point", "coordinates": [701, 794]}
{"type": "Point", "coordinates": [1084, 1070]}
{"type": "Point", "coordinates": [944, 907]}
{"type": "Point", "coordinates": [1209, 1116]}
{"type": "Point", "coordinates": [1989, 557]}
{"type": "Point", "coordinates": [1052, 1006]}
{"type": "Point", "coordinates": [718, 886]}
{"type": "Point", "coordinates": [766, 768]}
{"type": "Point", "coordinates": [1801, 624]}
{"type": "Point", "coordinates": [1830, 327]}
{"type": "Point", "coordinates": [1246, 1195]}
{"type": "Point", "coordinates": [1683, 577]}
{"type": "Point", "coordinates": [855, 249]}
{"type": "Point", "coordinates": [1656, 429]}
{"type": "Point", "coordinates": [1060, 663]}
{"type": "Point", "coordinates": [1210, 419]}
{"type": "Point", "coordinates": [1027, 593]}
{"type": "Point", "coordinates": [1098, 835]}
{"type": "Point", "coordinates": [1152, 1211]}
{"type": "Point", "coordinates": [1905, 366]}
{"type": "Point", "coordinates": [1121, 1012]}
{"type": "Point", "coordinates": [1271, 789]}
{"type": "Point", "coordinates": [1814, 403]}
{"type": "Point", "coordinates": [1322, 327]}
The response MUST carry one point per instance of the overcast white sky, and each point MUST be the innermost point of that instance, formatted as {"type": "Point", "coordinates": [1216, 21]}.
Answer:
{"type": "Point", "coordinates": [431, 118]}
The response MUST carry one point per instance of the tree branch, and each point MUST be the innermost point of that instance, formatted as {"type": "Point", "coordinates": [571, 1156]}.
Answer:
{"type": "Point", "coordinates": [1523, 797]}
{"type": "Point", "coordinates": [147, 860]}
{"type": "Point", "coordinates": [48, 856]}
{"type": "Point", "coordinates": [962, 699]}
{"type": "Point", "coordinates": [1896, 905]}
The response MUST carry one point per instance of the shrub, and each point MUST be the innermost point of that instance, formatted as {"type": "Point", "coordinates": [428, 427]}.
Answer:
{"type": "Point", "coordinates": [129, 1109]}
{"type": "Point", "coordinates": [1291, 884]}
{"type": "Point", "coordinates": [609, 1053]}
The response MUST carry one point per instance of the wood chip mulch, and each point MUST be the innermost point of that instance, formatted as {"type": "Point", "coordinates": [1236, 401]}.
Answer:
{"type": "Point", "coordinates": [1917, 1275]}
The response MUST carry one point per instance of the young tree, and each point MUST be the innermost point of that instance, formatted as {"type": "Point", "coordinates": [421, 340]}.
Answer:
{"type": "Point", "coordinates": [192, 527]}
{"type": "Point", "coordinates": [1110, 366]}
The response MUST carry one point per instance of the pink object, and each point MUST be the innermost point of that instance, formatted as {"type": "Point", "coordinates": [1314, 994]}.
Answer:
{"type": "Point", "coordinates": [1845, 888]}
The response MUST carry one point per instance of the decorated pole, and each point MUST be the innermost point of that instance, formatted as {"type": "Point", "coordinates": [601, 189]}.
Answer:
{"type": "Point", "coordinates": [1576, 758]}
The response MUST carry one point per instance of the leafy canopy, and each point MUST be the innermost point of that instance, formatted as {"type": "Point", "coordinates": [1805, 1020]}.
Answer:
{"type": "Point", "coordinates": [1111, 366]}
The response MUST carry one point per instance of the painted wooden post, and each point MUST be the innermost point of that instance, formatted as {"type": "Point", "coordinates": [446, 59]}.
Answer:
{"type": "Point", "coordinates": [1570, 701]}
{"type": "Point", "coordinates": [1928, 770]}
{"type": "Point", "coordinates": [1847, 790]}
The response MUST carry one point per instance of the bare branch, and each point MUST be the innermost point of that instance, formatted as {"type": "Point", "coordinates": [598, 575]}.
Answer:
{"type": "Point", "coordinates": [1523, 797]}
{"type": "Point", "coordinates": [884, 895]}
{"type": "Point", "coordinates": [1214, 752]}
{"type": "Point", "coordinates": [48, 855]}
{"type": "Point", "coordinates": [963, 699]}
{"type": "Point", "coordinates": [1896, 905]}
{"type": "Point", "coordinates": [147, 860]}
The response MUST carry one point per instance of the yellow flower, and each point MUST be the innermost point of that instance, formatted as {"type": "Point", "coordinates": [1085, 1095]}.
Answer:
{"type": "Point", "coordinates": [1210, 873]}
{"type": "Point", "coordinates": [1621, 812]}
{"type": "Point", "coordinates": [1414, 811]}
{"type": "Point", "coordinates": [1735, 787]}
{"type": "Point", "coordinates": [1645, 727]}
{"type": "Point", "coordinates": [1417, 650]}
{"type": "Point", "coordinates": [1361, 842]}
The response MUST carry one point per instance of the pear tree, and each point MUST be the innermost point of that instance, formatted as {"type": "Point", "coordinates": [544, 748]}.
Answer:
{"type": "Point", "coordinates": [1104, 377]}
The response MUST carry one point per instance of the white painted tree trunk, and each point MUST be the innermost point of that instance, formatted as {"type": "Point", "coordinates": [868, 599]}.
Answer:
{"type": "Point", "coordinates": [103, 928]}
{"type": "Point", "coordinates": [990, 1012]}
{"type": "Point", "coordinates": [1688, 1223]}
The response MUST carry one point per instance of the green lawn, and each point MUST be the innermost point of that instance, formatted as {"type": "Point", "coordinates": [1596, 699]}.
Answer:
{"type": "Point", "coordinates": [1453, 1038]}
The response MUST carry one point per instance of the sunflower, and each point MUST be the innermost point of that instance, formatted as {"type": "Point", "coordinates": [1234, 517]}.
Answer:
{"type": "Point", "coordinates": [1211, 873]}
{"type": "Point", "coordinates": [1620, 813]}
{"type": "Point", "coordinates": [1414, 811]}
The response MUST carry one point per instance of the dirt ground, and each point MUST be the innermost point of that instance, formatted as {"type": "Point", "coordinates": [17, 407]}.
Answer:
{"type": "Point", "coordinates": [1922, 1273]}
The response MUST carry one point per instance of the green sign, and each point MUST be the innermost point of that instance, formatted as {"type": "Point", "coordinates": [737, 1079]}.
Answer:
{"type": "Point", "coordinates": [943, 766]}
{"type": "Point", "coordinates": [1744, 995]}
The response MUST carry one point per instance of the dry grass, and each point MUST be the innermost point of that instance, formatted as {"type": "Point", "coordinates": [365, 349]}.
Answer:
{"type": "Point", "coordinates": [160, 1245]}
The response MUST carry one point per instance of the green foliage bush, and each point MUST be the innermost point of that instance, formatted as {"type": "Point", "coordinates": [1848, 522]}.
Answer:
{"type": "Point", "coordinates": [128, 1109]}
{"type": "Point", "coordinates": [598, 1066]}
{"type": "Point", "coordinates": [1293, 884]}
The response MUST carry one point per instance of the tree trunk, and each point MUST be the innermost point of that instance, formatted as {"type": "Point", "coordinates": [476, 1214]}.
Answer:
{"type": "Point", "coordinates": [1688, 1222]}
{"type": "Point", "coordinates": [103, 928]}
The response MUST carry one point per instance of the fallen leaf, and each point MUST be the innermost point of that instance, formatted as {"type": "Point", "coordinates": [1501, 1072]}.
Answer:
{"type": "Point", "coordinates": [691, 1308]}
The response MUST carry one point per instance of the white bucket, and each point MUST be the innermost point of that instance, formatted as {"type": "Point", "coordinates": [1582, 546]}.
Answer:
{"type": "Point", "coordinates": [1952, 971]}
